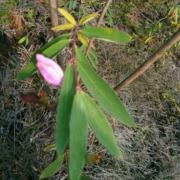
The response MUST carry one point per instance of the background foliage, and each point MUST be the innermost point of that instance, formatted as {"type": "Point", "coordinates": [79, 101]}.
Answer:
{"type": "Point", "coordinates": [152, 149]}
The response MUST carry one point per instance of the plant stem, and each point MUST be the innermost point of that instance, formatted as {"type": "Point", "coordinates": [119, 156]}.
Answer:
{"type": "Point", "coordinates": [73, 56]}
{"type": "Point", "coordinates": [74, 39]}
{"type": "Point", "coordinates": [54, 17]}
{"type": "Point", "coordinates": [154, 58]}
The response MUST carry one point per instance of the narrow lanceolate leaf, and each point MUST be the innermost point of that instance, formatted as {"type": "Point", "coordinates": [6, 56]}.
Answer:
{"type": "Point", "coordinates": [100, 125]}
{"type": "Point", "coordinates": [55, 49]}
{"type": "Point", "coordinates": [62, 27]}
{"type": "Point", "coordinates": [23, 39]}
{"type": "Point", "coordinates": [53, 168]}
{"type": "Point", "coordinates": [64, 110]}
{"type": "Point", "coordinates": [93, 58]}
{"type": "Point", "coordinates": [50, 50]}
{"type": "Point", "coordinates": [50, 148]}
{"type": "Point", "coordinates": [93, 158]}
{"type": "Point", "coordinates": [106, 34]}
{"type": "Point", "coordinates": [87, 18]}
{"type": "Point", "coordinates": [101, 91]}
{"type": "Point", "coordinates": [83, 39]}
{"type": "Point", "coordinates": [50, 43]}
{"type": "Point", "coordinates": [67, 15]}
{"type": "Point", "coordinates": [27, 71]}
{"type": "Point", "coordinates": [78, 138]}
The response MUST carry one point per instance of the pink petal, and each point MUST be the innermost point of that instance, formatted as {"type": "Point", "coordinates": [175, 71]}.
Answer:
{"type": "Point", "coordinates": [50, 70]}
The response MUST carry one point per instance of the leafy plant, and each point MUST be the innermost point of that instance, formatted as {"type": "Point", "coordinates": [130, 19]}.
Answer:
{"type": "Point", "coordinates": [77, 110]}
{"type": "Point", "coordinates": [24, 40]}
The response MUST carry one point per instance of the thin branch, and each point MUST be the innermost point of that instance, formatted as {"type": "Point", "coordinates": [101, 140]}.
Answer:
{"type": "Point", "coordinates": [104, 12]}
{"type": "Point", "coordinates": [154, 58]}
{"type": "Point", "coordinates": [53, 9]}
{"type": "Point", "coordinates": [98, 24]}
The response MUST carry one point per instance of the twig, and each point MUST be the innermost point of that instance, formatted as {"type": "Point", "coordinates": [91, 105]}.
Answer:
{"type": "Point", "coordinates": [98, 24]}
{"type": "Point", "coordinates": [54, 17]}
{"type": "Point", "coordinates": [155, 57]}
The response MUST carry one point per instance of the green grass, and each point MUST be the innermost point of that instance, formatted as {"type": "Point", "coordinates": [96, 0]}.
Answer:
{"type": "Point", "coordinates": [5, 7]}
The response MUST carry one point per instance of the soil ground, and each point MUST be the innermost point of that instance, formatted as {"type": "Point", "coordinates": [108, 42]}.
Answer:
{"type": "Point", "coordinates": [152, 150]}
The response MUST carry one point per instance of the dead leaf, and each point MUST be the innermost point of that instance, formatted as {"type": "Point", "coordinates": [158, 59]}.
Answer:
{"type": "Point", "coordinates": [93, 158]}
{"type": "Point", "coordinates": [43, 98]}
{"type": "Point", "coordinates": [40, 98]}
{"type": "Point", "coordinates": [17, 23]}
{"type": "Point", "coordinates": [29, 97]}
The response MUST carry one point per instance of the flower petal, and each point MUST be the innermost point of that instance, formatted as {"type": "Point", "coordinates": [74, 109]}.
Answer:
{"type": "Point", "coordinates": [50, 70]}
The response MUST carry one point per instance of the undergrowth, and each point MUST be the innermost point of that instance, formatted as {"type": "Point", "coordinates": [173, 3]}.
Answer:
{"type": "Point", "coordinates": [152, 149]}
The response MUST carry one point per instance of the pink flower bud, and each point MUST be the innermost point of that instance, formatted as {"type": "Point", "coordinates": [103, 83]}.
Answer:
{"type": "Point", "coordinates": [50, 70]}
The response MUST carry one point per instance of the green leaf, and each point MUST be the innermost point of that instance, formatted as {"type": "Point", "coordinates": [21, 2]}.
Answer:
{"type": "Point", "coordinates": [53, 168]}
{"type": "Point", "coordinates": [100, 125]}
{"type": "Point", "coordinates": [55, 40]}
{"type": "Point", "coordinates": [106, 34]}
{"type": "Point", "coordinates": [67, 15]}
{"type": "Point", "coordinates": [83, 39]}
{"type": "Point", "coordinates": [56, 48]}
{"type": "Point", "coordinates": [78, 138]}
{"type": "Point", "coordinates": [93, 58]}
{"type": "Point", "coordinates": [87, 18]}
{"type": "Point", "coordinates": [50, 50]}
{"type": "Point", "coordinates": [62, 27]}
{"type": "Point", "coordinates": [101, 91]}
{"type": "Point", "coordinates": [50, 148]}
{"type": "Point", "coordinates": [64, 110]}
{"type": "Point", "coordinates": [24, 39]}
{"type": "Point", "coordinates": [27, 71]}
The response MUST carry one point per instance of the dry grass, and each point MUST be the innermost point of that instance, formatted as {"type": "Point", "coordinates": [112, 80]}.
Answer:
{"type": "Point", "coordinates": [151, 150]}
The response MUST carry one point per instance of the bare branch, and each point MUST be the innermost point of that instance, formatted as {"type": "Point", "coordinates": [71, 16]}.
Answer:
{"type": "Point", "coordinates": [53, 9]}
{"type": "Point", "coordinates": [155, 57]}
{"type": "Point", "coordinates": [98, 24]}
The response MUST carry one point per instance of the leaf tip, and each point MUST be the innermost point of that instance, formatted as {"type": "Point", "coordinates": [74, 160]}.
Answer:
{"type": "Point", "coordinates": [42, 176]}
{"type": "Point", "coordinates": [19, 76]}
{"type": "Point", "coordinates": [120, 155]}
{"type": "Point", "coordinates": [133, 124]}
{"type": "Point", "coordinates": [130, 37]}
